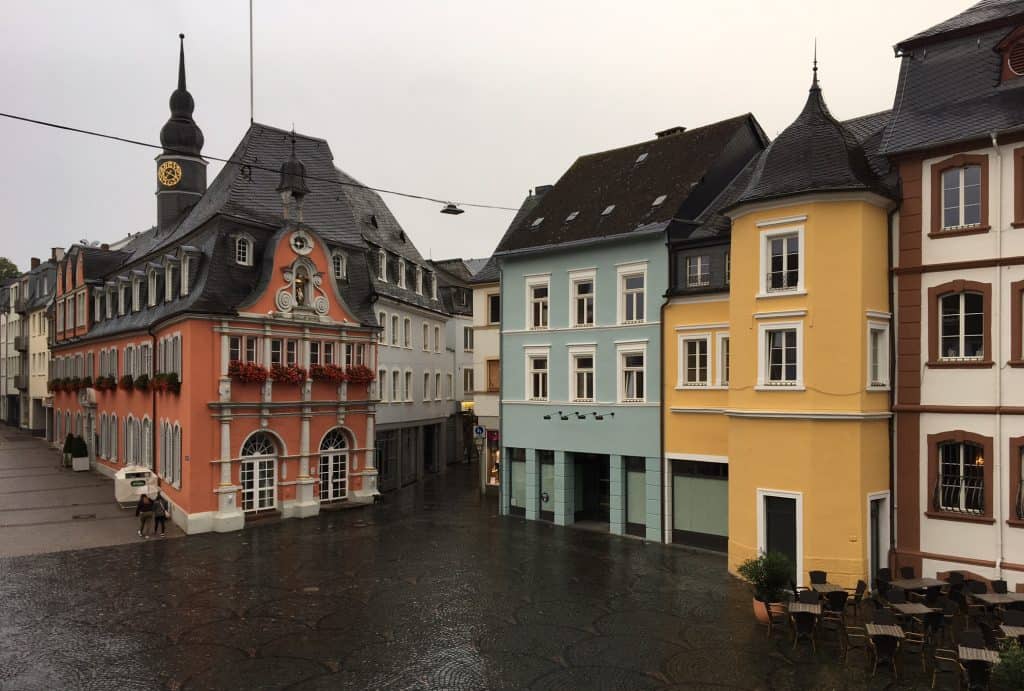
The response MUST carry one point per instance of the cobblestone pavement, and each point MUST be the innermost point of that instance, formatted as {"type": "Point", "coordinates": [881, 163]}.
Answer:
{"type": "Point", "coordinates": [431, 590]}
{"type": "Point", "coordinates": [47, 508]}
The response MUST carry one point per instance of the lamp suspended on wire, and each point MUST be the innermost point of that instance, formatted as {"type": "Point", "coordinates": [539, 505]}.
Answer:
{"type": "Point", "coordinates": [450, 208]}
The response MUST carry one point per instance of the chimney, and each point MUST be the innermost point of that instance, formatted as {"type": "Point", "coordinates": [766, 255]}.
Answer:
{"type": "Point", "coordinates": [35, 262]}
{"type": "Point", "coordinates": [670, 131]}
{"type": "Point", "coordinates": [56, 253]}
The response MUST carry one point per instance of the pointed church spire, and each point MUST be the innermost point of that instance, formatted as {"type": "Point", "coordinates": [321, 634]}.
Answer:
{"type": "Point", "coordinates": [181, 63]}
{"type": "Point", "coordinates": [181, 134]}
{"type": "Point", "coordinates": [814, 70]}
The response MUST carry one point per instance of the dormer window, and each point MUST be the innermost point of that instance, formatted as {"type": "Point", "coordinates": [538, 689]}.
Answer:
{"type": "Point", "coordinates": [608, 209]}
{"type": "Point", "coordinates": [338, 265]}
{"type": "Point", "coordinates": [401, 273]}
{"type": "Point", "coordinates": [185, 265]}
{"type": "Point", "coordinates": [659, 200]}
{"type": "Point", "coordinates": [433, 287]}
{"type": "Point", "coordinates": [136, 294]}
{"type": "Point", "coordinates": [1011, 50]}
{"type": "Point", "coordinates": [572, 216]}
{"type": "Point", "coordinates": [641, 158]}
{"type": "Point", "coordinates": [382, 265]}
{"type": "Point", "coordinates": [168, 283]}
{"type": "Point", "coordinates": [151, 293]}
{"type": "Point", "coordinates": [243, 251]}
{"type": "Point", "coordinates": [537, 222]}
{"type": "Point", "coordinates": [419, 281]}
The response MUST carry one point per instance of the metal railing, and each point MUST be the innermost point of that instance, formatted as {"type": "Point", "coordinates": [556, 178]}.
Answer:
{"type": "Point", "coordinates": [780, 280]}
{"type": "Point", "coordinates": [964, 495]}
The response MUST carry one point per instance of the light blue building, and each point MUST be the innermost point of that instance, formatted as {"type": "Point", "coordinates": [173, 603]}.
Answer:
{"type": "Point", "coordinates": [583, 276]}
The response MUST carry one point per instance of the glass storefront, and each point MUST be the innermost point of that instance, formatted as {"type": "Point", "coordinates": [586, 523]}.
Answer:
{"type": "Point", "coordinates": [517, 481]}
{"type": "Point", "coordinates": [636, 495]}
{"type": "Point", "coordinates": [700, 504]}
{"type": "Point", "coordinates": [547, 484]}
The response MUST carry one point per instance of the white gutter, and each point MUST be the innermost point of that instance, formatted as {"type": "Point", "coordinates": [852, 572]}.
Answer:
{"type": "Point", "coordinates": [997, 454]}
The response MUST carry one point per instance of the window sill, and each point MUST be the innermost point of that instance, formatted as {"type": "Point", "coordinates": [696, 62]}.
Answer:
{"type": "Point", "coordinates": [1015, 363]}
{"type": "Point", "coordinates": [878, 387]}
{"type": "Point", "coordinates": [1015, 522]}
{"type": "Point", "coordinates": [960, 364]}
{"type": "Point", "coordinates": [787, 387]}
{"type": "Point", "coordinates": [959, 232]}
{"type": "Point", "coordinates": [635, 322]}
{"type": "Point", "coordinates": [695, 387]}
{"type": "Point", "coordinates": [1017, 224]}
{"type": "Point", "coordinates": [584, 326]}
{"type": "Point", "coordinates": [961, 518]}
{"type": "Point", "coordinates": [781, 293]}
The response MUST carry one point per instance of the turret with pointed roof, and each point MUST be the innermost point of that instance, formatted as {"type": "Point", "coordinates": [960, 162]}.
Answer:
{"type": "Point", "coordinates": [816, 153]}
{"type": "Point", "coordinates": [181, 170]}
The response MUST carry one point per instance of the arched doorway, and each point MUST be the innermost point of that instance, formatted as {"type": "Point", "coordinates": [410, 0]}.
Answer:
{"type": "Point", "coordinates": [259, 484]}
{"type": "Point", "coordinates": [334, 466]}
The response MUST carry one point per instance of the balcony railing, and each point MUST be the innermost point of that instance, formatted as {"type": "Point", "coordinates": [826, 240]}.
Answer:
{"type": "Point", "coordinates": [781, 280]}
{"type": "Point", "coordinates": [965, 495]}
{"type": "Point", "coordinates": [21, 343]}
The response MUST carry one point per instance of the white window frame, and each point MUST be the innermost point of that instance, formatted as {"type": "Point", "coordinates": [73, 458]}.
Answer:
{"type": "Point", "coordinates": [961, 206]}
{"type": "Point", "coordinates": [382, 335]}
{"type": "Point", "coordinates": [766, 237]}
{"type": "Point", "coordinates": [575, 278]}
{"type": "Point", "coordinates": [393, 331]}
{"type": "Point", "coordinates": [401, 272]}
{"type": "Point", "coordinates": [623, 272]}
{"type": "Point", "coordinates": [684, 340]}
{"type": "Point", "coordinates": [437, 385]}
{"type": "Point", "coordinates": [382, 269]}
{"type": "Point", "coordinates": [407, 332]}
{"type": "Point", "coordinates": [488, 308]}
{"type": "Point", "coordinates": [762, 541]}
{"type": "Point", "coordinates": [762, 356]}
{"type": "Point", "coordinates": [536, 282]}
{"type": "Point", "coordinates": [339, 265]}
{"type": "Point", "coordinates": [528, 355]}
{"type": "Point", "coordinates": [621, 351]}
{"type": "Point", "coordinates": [383, 381]}
{"type": "Point", "coordinates": [407, 383]}
{"type": "Point", "coordinates": [576, 352]}
{"type": "Point", "coordinates": [426, 337]}
{"type": "Point", "coordinates": [702, 264]}
{"type": "Point", "coordinates": [882, 384]}
{"type": "Point", "coordinates": [467, 339]}
{"type": "Point", "coordinates": [721, 338]}
{"type": "Point", "coordinates": [438, 340]}
{"type": "Point", "coordinates": [419, 280]}
{"type": "Point", "coordinates": [136, 294]}
{"type": "Point", "coordinates": [151, 288]}
{"type": "Point", "coordinates": [243, 246]}
{"type": "Point", "coordinates": [426, 385]}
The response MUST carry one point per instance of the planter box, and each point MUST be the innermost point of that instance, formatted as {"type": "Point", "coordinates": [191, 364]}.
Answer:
{"type": "Point", "coordinates": [80, 463]}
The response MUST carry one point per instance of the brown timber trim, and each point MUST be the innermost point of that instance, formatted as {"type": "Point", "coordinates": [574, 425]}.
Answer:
{"type": "Point", "coordinates": [1016, 449]}
{"type": "Point", "coordinates": [1018, 187]}
{"type": "Point", "coordinates": [908, 479]}
{"type": "Point", "coordinates": [959, 286]}
{"type": "Point", "coordinates": [937, 169]}
{"type": "Point", "coordinates": [1016, 316]}
{"type": "Point", "coordinates": [959, 436]}
{"type": "Point", "coordinates": [958, 266]}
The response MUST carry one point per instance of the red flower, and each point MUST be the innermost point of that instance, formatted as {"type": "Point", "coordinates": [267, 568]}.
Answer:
{"type": "Point", "coordinates": [247, 372]}
{"type": "Point", "coordinates": [359, 374]}
{"type": "Point", "coordinates": [287, 374]}
{"type": "Point", "coordinates": [328, 373]}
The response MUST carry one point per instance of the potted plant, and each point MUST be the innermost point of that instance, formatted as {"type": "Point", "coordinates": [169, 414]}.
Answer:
{"type": "Point", "coordinates": [73, 384]}
{"type": "Point", "coordinates": [86, 383]}
{"type": "Point", "coordinates": [769, 573]}
{"type": "Point", "coordinates": [141, 382]}
{"type": "Point", "coordinates": [288, 374]}
{"type": "Point", "coordinates": [127, 382]}
{"type": "Point", "coordinates": [171, 382]}
{"type": "Point", "coordinates": [359, 374]}
{"type": "Point", "coordinates": [79, 454]}
{"type": "Point", "coordinates": [327, 373]}
{"type": "Point", "coordinates": [247, 372]}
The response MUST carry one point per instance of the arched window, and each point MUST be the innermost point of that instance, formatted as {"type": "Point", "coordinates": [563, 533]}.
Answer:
{"type": "Point", "coordinates": [259, 487]}
{"type": "Point", "coordinates": [147, 443]}
{"type": "Point", "coordinates": [334, 466]}
{"type": "Point", "coordinates": [243, 251]}
{"type": "Point", "coordinates": [176, 455]}
{"type": "Point", "coordinates": [57, 427]}
{"type": "Point", "coordinates": [114, 432]}
{"type": "Point", "coordinates": [338, 264]}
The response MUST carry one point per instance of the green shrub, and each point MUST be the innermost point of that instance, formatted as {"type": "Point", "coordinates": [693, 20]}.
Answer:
{"type": "Point", "coordinates": [769, 573]}
{"type": "Point", "coordinates": [69, 443]}
{"type": "Point", "coordinates": [79, 448]}
{"type": "Point", "coordinates": [1009, 673]}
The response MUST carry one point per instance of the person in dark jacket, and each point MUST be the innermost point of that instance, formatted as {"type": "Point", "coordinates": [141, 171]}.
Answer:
{"type": "Point", "coordinates": [160, 511]}
{"type": "Point", "coordinates": [144, 510]}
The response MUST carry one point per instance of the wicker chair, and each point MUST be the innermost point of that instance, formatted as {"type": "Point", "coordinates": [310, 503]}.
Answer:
{"type": "Point", "coordinates": [805, 625]}
{"type": "Point", "coordinates": [818, 577]}
{"type": "Point", "coordinates": [884, 650]}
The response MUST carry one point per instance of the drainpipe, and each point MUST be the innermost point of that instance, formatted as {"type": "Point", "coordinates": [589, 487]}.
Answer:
{"type": "Point", "coordinates": [661, 413]}
{"type": "Point", "coordinates": [892, 399]}
{"type": "Point", "coordinates": [997, 337]}
{"type": "Point", "coordinates": [152, 394]}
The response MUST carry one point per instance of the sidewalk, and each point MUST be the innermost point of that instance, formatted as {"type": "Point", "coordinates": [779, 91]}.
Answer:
{"type": "Point", "coordinates": [46, 508]}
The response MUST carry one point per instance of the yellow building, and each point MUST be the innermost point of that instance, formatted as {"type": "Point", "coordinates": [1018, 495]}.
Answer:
{"type": "Point", "coordinates": [777, 356]}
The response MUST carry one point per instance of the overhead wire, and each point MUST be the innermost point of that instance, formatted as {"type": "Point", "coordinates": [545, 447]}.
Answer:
{"type": "Point", "coordinates": [245, 164]}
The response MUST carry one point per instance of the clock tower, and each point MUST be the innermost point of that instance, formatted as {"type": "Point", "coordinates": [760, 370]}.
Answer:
{"type": "Point", "coordinates": [180, 169]}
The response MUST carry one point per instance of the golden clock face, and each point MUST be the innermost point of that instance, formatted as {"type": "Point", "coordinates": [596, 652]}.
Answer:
{"type": "Point", "coordinates": [169, 173]}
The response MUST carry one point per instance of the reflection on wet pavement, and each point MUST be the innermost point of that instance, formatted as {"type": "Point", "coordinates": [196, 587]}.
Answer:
{"type": "Point", "coordinates": [452, 598]}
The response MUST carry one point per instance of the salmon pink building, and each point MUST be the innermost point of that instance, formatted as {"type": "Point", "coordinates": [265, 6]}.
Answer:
{"type": "Point", "coordinates": [231, 347]}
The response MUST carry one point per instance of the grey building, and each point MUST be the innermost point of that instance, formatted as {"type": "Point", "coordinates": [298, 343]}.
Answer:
{"type": "Point", "coordinates": [415, 371]}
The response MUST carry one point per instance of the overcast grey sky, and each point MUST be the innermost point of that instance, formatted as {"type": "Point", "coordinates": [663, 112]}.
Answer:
{"type": "Point", "coordinates": [468, 99]}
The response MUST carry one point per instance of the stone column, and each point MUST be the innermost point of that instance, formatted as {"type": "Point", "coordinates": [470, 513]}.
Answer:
{"type": "Point", "coordinates": [229, 515]}
{"type": "Point", "coordinates": [532, 485]}
{"type": "Point", "coordinates": [504, 486]}
{"type": "Point", "coordinates": [306, 503]}
{"type": "Point", "coordinates": [617, 495]}
{"type": "Point", "coordinates": [565, 489]}
{"type": "Point", "coordinates": [654, 490]}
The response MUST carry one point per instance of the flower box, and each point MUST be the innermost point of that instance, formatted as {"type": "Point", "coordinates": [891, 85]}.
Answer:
{"type": "Point", "coordinates": [287, 374]}
{"type": "Point", "coordinates": [166, 381]}
{"type": "Point", "coordinates": [359, 374]}
{"type": "Point", "coordinates": [247, 372]}
{"type": "Point", "coordinates": [141, 382]}
{"type": "Point", "coordinates": [127, 382]}
{"type": "Point", "coordinates": [327, 373]}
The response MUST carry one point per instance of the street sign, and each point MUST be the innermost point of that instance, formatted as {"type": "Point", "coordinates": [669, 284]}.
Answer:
{"type": "Point", "coordinates": [479, 431]}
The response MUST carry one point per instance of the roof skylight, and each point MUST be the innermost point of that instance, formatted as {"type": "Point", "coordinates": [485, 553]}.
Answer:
{"type": "Point", "coordinates": [572, 216]}
{"type": "Point", "coordinates": [537, 221]}
{"type": "Point", "coordinates": [608, 209]}
{"type": "Point", "coordinates": [659, 200]}
{"type": "Point", "coordinates": [642, 157]}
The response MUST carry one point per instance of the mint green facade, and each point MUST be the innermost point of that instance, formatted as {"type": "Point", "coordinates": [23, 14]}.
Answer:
{"type": "Point", "coordinates": [552, 469]}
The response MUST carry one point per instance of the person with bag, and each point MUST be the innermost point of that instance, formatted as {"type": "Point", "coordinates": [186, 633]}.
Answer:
{"type": "Point", "coordinates": [144, 510]}
{"type": "Point", "coordinates": [160, 511]}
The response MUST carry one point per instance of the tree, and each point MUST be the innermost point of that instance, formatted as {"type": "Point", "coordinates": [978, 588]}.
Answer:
{"type": "Point", "coordinates": [8, 269]}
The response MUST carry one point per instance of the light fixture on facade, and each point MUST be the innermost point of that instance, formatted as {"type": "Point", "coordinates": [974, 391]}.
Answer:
{"type": "Point", "coordinates": [450, 208]}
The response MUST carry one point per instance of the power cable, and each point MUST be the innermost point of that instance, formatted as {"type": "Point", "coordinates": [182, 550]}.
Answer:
{"type": "Point", "coordinates": [136, 142]}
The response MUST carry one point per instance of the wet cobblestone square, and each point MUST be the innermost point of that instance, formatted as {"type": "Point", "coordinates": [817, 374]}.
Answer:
{"type": "Point", "coordinates": [431, 590]}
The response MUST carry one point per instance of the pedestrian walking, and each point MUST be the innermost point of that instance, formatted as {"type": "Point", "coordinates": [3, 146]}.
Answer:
{"type": "Point", "coordinates": [160, 510]}
{"type": "Point", "coordinates": [144, 510]}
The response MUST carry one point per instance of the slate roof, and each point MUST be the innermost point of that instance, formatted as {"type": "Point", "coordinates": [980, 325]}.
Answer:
{"type": "Point", "coordinates": [36, 298]}
{"type": "Point", "coordinates": [474, 265]}
{"type": "Point", "coordinates": [974, 18]}
{"type": "Point", "coordinates": [816, 153]}
{"type": "Point", "coordinates": [98, 262]}
{"type": "Point", "coordinates": [489, 272]}
{"type": "Point", "coordinates": [454, 268]}
{"type": "Point", "coordinates": [674, 166]}
{"type": "Point", "coordinates": [949, 89]}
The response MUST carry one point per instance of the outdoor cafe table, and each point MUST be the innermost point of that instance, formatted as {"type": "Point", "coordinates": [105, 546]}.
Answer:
{"type": "Point", "coordinates": [982, 654]}
{"type": "Point", "coordinates": [1012, 631]}
{"type": "Point", "coordinates": [804, 607]}
{"type": "Point", "coordinates": [826, 587]}
{"type": "Point", "coordinates": [884, 630]}
{"type": "Point", "coordinates": [911, 608]}
{"type": "Point", "coordinates": [998, 598]}
{"type": "Point", "coordinates": [917, 583]}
